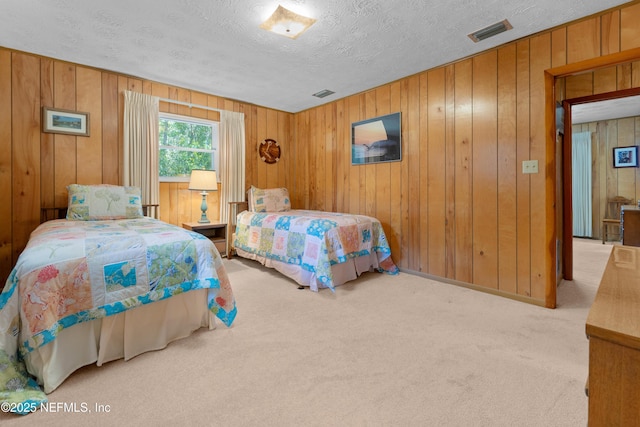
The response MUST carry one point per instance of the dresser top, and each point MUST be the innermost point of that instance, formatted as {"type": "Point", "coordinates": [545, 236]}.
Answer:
{"type": "Point", "coordinates": [615, 313]}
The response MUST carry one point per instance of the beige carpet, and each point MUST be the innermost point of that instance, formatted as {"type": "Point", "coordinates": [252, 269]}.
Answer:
{"type": "Point", "coordinates": [383, 351]}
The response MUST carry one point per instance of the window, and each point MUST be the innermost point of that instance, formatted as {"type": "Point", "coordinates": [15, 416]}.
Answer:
{"type": "Point", "coordinates": [186, 143]}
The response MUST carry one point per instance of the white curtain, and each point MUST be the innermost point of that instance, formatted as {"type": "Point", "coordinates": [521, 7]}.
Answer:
{"type": "Point", "coordinates": [232, 160]}
{"type": "Point", "coordinates": [581, 184]}
{"type": "Point", "coordinates": [141, 164]}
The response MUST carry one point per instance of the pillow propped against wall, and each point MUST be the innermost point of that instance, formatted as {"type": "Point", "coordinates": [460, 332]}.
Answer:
{"type": "Point", "coordinates": [269, 200]}
{"type": "Point", "coordinates": [103, 201]}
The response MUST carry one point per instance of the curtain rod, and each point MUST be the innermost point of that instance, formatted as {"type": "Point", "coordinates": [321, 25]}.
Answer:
{"type": "Point", "coordinates": [190, 105]}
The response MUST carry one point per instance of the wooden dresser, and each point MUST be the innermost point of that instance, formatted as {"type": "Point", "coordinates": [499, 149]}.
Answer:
{"type": "Point", "coordinates": [613, 329]}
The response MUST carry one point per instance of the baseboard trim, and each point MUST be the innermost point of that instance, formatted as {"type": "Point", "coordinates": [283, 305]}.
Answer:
{"type": "Point", "coordinates": [491, 291]}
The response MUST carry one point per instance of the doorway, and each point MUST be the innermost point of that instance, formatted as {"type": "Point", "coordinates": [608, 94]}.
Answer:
{"type": "Point", "coordinates": [600, 107]}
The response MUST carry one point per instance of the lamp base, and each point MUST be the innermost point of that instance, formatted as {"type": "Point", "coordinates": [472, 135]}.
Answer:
{"type": "Point", "coordinates": [203, 208]}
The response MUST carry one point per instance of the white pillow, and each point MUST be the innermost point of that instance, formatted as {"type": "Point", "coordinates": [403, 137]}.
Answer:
{"type": "Point", "coordinates": [103, 201]}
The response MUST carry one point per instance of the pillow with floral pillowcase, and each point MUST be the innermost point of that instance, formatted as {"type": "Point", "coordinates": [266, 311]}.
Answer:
{"type": "Point", "coordinates": [269, 200]}
{"type": "Point", "coordinates": [103, 201]}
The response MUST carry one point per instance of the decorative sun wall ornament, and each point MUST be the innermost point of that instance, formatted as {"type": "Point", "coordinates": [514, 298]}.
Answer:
{"type": "Point", "coordinates": [269, 151]}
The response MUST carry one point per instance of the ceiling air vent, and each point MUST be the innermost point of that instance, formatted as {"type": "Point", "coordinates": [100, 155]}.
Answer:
{"type": "Point", "coordinates": [323, 93]}
{"type": "Point", "coordinates": [490, 31]}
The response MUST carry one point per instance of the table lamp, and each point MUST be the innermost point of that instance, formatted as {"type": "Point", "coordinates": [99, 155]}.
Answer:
{"type": "Point", "coordinates": [203, 181]}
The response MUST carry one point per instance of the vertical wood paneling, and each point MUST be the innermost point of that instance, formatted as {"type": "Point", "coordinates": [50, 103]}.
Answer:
{"type": "Point", "coordinates": [89, 100]}
{"type": "Point", "coordinates": [251, 132]}
{"type": "Point", "coordinates": [600, 183]}
{"type": "Point", "coordinates": [320, 158]}
{"type": "Point", "coordinates": [626, 176]}
{"type": "Point", "coordinates": [284, 139]}
{"type": "Point", "coordinates": [611, 181]}
{"type": "Point", "coordinates": [604, 80]}
{"type": "Point", "coordinates": [330, 158]}
{"type": "Point", "coordinates": [624, 76]}
{"type": "Point", "coordinates": [65, 149]}
{"type": "Point", "coordinates": [362, 169]}
{"type": "Point", "coordinates": [252, 149]}
{"type": "Point", "coordinates": [47, 148]}
{"type": "Point", "coordinates": [610, 33]}
{"type": "Point", "coordinates": [271, 170]}
{"type": "Point", "coordinates": [541, 248]}
{"type": "Point", "coordinates": [404, 261]}
{"type": "Point", "coordinates": [413, 169]}
{"type": "Point", "coordinates": [370, 182]}
{"type": "Point", "coordinates": [583, 40]}
{"type": "Point", "coordinates": [301, 167]}
{"type": "Point", "coordinates": [110, 147]}
{"type": "Point", "coordinates": [383, 170]}
{"type": "Point", "coordinates": [559, 47]}
{"type": "Point", "coordinates": [485, 171]}
{"type": "Point", "coordinates": [395, 184]}
{"type": "Point", "coordinates": [6, 206]}
{"type": "Point", "coordinates": [463, 170]}
{"type": "Point", "coordinates": [635, 77]}
{"type": "Point", "coordinates": [25, 148]}
{"type": "Point", "coordinates": [122, 86]}
{"type": "Point", "coordinates": [580, 85]}
{"type": "Point", "coordinates": [507, 169]}
{"type": "Point", "coordinates": [423, 171]}
{"type": "Point", "coordinates": [436, 171]}
{"type": "Point", "coordinates": [450, 172]}
{"type": "Point", "coordinates": [342, 162]}
{"type": "Point", "coordinates": [354, 171]}
{"type": "Point", "coordinates": [523, 190]}
{"type": "Point", "coordinates": [629, 28]}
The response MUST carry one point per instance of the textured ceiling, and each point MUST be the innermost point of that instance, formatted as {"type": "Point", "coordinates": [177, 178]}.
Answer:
{"type": "Point", "coordinates": [217, 46]}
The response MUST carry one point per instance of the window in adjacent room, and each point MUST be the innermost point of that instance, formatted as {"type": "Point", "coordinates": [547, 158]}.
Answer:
{"type": "Point", "coordinates": [186, 143]}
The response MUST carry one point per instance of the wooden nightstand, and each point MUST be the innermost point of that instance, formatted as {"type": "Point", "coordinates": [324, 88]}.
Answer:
{"type": "Point", "coordinates": [216, 232]}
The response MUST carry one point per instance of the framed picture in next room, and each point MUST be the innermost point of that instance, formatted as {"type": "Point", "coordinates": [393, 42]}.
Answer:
{"type": "Point", "coordinates": [625, 157]}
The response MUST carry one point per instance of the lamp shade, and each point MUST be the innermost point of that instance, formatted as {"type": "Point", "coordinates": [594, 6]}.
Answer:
{"type": "Point", "coordinates": [203, 180]}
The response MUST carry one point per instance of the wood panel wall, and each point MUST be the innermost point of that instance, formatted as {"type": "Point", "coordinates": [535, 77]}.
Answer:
{"type": "Point", "coordinates": [36, 167]}
{"type": "Point", "coordinates": [458, 206]}
{"type": "Point", "coordinates": [609, 182]}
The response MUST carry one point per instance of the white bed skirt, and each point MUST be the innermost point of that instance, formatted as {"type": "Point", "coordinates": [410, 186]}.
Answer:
{"type": "Point", "coordinates": [341, 273]}
{"type": "Point", "coordinates": [122, 336]}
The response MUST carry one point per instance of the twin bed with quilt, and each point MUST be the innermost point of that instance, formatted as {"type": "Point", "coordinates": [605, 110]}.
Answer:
{"type": "Point", "coordinates": [103, 284]}
{"type": "Point", "coordinates": [314, 248]}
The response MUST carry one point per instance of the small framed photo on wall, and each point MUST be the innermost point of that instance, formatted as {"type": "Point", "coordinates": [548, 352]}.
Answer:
{"type": "Point", "coordinates": [57, 120]}
{"type": "Point", "coordinates": [625, 157]}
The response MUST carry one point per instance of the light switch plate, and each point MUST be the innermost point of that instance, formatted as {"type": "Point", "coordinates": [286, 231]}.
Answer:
{"type": "Point", "coordinates": [529, 166]}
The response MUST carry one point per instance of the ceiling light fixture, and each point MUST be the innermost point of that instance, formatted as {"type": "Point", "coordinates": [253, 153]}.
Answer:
{"type": "Point", "coordinates": [287, 23]}
{"type": "Point", "coordinates": [490, 31]}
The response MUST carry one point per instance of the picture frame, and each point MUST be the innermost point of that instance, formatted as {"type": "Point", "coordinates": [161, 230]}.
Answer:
{"type": "Point", "coordinates": [376, 140]}
{"type": "Point", "coordinates": [68, 122]}
{"type": "Point", "coordinates": [625, 157]}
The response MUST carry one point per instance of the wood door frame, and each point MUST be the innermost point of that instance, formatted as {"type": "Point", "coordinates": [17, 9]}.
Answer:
{"type": "Point", "coordinates": [551, 75]}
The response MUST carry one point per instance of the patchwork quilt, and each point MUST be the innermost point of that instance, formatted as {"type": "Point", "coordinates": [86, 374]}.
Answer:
{"type": "Point", "coordinates": [313, 240]}
{"type": "Point", "coordinates": [76, 271]}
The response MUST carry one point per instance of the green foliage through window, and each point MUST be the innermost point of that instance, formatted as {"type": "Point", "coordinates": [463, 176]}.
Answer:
{"type": "Point", "coordinates": [186, 144]}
